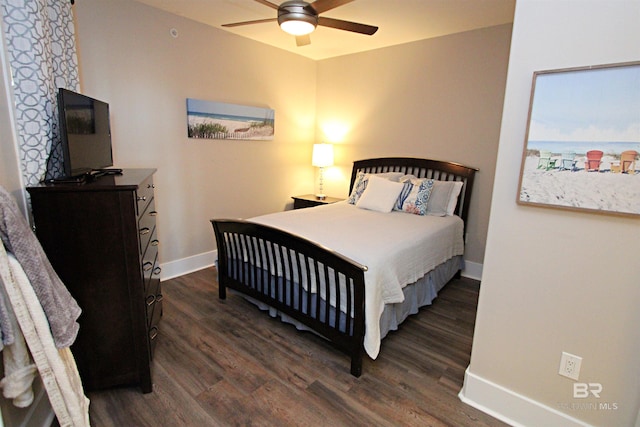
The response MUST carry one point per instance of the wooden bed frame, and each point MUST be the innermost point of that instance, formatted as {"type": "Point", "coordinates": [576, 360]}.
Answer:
{"type": "Point", "coordinates": [274, 267]}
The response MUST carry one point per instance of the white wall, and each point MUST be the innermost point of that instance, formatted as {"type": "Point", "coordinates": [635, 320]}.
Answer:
{"type": "Point", "coordinates": [128, 58]}
{"type": "Point", "coordinates": [439, 98]}
{"type": "Point", "coordinates": [557, 280]}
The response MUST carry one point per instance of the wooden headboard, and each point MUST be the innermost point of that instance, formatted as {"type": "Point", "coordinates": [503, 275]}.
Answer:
{"type": "Point", "coordinates": [423, 168]}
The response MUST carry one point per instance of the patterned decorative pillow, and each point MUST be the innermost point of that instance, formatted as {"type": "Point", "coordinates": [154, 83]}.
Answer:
{"type": "Point", "coordinates": [414, 197]}
{"type": "Point", "coordinates": [358, 188]}
{"type": "Point", "coordinates": [362, 179]}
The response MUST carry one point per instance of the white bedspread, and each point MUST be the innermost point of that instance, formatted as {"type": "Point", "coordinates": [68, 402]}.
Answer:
{"type": "Point", "coordinates": [398, 248]}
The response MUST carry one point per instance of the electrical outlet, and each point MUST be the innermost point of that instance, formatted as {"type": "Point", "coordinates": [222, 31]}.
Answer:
{"type": "Point", "coordinates": [570, 365]}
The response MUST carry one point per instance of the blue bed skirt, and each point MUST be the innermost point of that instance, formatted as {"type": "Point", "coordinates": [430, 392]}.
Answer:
{"type": "Point", "coordinates": [416, 295]}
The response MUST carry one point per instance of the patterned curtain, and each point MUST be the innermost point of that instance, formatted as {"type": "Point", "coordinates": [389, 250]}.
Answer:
{"type": "Point", "coordinates": [42, 55]}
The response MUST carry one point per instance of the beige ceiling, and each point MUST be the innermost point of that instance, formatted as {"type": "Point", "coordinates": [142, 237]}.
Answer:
{"type": "Point", "coordinates": [399, 21]}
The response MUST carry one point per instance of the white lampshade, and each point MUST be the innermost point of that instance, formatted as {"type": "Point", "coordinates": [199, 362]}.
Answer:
{"type": "Point", "coordinates": [322, 155]}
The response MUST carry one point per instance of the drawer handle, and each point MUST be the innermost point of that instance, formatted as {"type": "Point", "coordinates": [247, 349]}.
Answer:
{"type": "Point", "coordinates": [142, 199]}
{"type": "Point", "coordinates": [159, 298]}
{"type": "Point", "coordinates": [157, 270]}
{"type": "Point", "coordinates": [151, 299]}
{"type": "Point", "coordinates": [147, 266]}
{"type": "Point", "coordinates": [153, 333]}
{"type": "Point", "coordinates": [155, 242]}
{"type": "Point", "coordinates": [153, 213]}
{"type": "Point", "coordinates": [145, 230]}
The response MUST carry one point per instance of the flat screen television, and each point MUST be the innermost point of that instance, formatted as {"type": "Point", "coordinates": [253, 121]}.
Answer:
{"type": "Point", "coordinates": [85, 134]}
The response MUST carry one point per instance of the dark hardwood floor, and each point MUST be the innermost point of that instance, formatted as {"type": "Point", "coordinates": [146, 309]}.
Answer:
{"type": "Point", "coordinates": [221, 363]}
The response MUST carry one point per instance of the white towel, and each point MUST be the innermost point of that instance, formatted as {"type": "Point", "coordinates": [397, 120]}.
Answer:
{"type": "Point", "coordinates": [19, 370]}
{"type": "Point", "coordinates": [56, 366]}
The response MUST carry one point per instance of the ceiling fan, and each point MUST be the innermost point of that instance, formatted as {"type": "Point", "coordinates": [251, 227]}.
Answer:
{"type": "Point", "coordinates": [299, 18]}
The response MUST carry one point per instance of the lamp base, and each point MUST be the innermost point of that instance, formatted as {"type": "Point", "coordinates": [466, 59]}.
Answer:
{"type": "Point", "coordinates": [321, 196]}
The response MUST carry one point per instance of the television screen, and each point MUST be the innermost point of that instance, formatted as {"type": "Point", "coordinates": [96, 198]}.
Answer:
{"type": "Point", "coordinates": [85, 133]}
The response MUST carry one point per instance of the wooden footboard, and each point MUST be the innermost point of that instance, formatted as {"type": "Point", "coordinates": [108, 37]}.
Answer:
{"type": "Point", "coordinates": [314, 285]}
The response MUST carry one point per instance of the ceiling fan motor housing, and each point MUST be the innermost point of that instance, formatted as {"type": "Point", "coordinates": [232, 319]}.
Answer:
{"type": "Point", "coordinates": [297, 10]}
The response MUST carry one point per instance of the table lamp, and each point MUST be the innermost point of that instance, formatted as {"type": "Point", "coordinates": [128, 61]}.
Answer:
{"type": "Point", "coordinates": [322, 157]}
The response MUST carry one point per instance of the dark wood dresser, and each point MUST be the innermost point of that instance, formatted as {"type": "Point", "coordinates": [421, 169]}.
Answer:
{"type": "Point", "coordinates": [101, 239]}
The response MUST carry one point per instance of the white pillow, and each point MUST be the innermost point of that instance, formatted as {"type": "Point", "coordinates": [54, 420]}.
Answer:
{"type": "Point", "coordinates": [443, 198]}
{"type": "Point", "coordinates": [362, 179]}
{"type": "Point", "coordinates": [453, 200]}
{"type": "Point", "coordinates": [391, 176]}
{"type": "Point", "coordinates": [380, 194]}
{"type": "Point", "coordinates": [407, 178]}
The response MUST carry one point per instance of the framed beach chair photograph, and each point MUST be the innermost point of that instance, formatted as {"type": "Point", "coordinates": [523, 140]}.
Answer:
{"type": "Point", "coordinates": [583, 140]}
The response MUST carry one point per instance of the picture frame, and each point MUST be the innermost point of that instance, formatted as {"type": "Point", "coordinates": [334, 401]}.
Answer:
{"type": "Point", "coordinates": [217, 120]}
{"type": "Point", "coordinates": [582, 142]}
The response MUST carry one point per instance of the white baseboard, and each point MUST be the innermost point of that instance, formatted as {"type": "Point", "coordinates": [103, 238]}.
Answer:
{"type": "Point", "coordinates": [188, 265]}
{"type": "Point", "coordinates": [510, 407]}
{"type": "Point", "coordinates": [472, 270]}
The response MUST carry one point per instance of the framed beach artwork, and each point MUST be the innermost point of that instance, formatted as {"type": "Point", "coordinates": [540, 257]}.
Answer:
{"type": "Point", "coordinates": [583, 140]}
{"type": "Point", "coordinates": [217, 120]}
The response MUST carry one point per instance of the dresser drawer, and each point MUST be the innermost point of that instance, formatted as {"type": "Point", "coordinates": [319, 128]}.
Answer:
{"type": "Point", "coordinates": [153, 301]}
{"type": "Point", "coordinates": [150, 268]}
{"type": "Point", "coordinates": [146, 226]}
{"type": "Point", "coordinates": [154, 313]}
{"type": "Point", "coordinates": [144, 194]}
{"type": "Point", "coordinates": [154, 332]}
{"type": "Point", "coordinates": [153, 304]}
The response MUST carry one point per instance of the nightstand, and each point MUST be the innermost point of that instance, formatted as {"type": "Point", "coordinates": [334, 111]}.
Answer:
{"type": "Point", "coordinates": [310, 200]}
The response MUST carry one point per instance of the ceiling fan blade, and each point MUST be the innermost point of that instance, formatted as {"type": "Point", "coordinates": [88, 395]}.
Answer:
{"type": "Point", "coordinates": [303, 40]}
{"type": "Point", "coordinates": [257, 21]}
{"type": "Point", "coordinates": [347, 25]}
{"type": "Point", "coordinates": [323, 5]}
{"type": "Point", "coordinates": [268, 4]}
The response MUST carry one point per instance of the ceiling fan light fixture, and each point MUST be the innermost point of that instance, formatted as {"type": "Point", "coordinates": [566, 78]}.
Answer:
{"type": "Point", "coordinates": [297, 28]}
{"type": "Point", "coordinates": [294, 18]}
